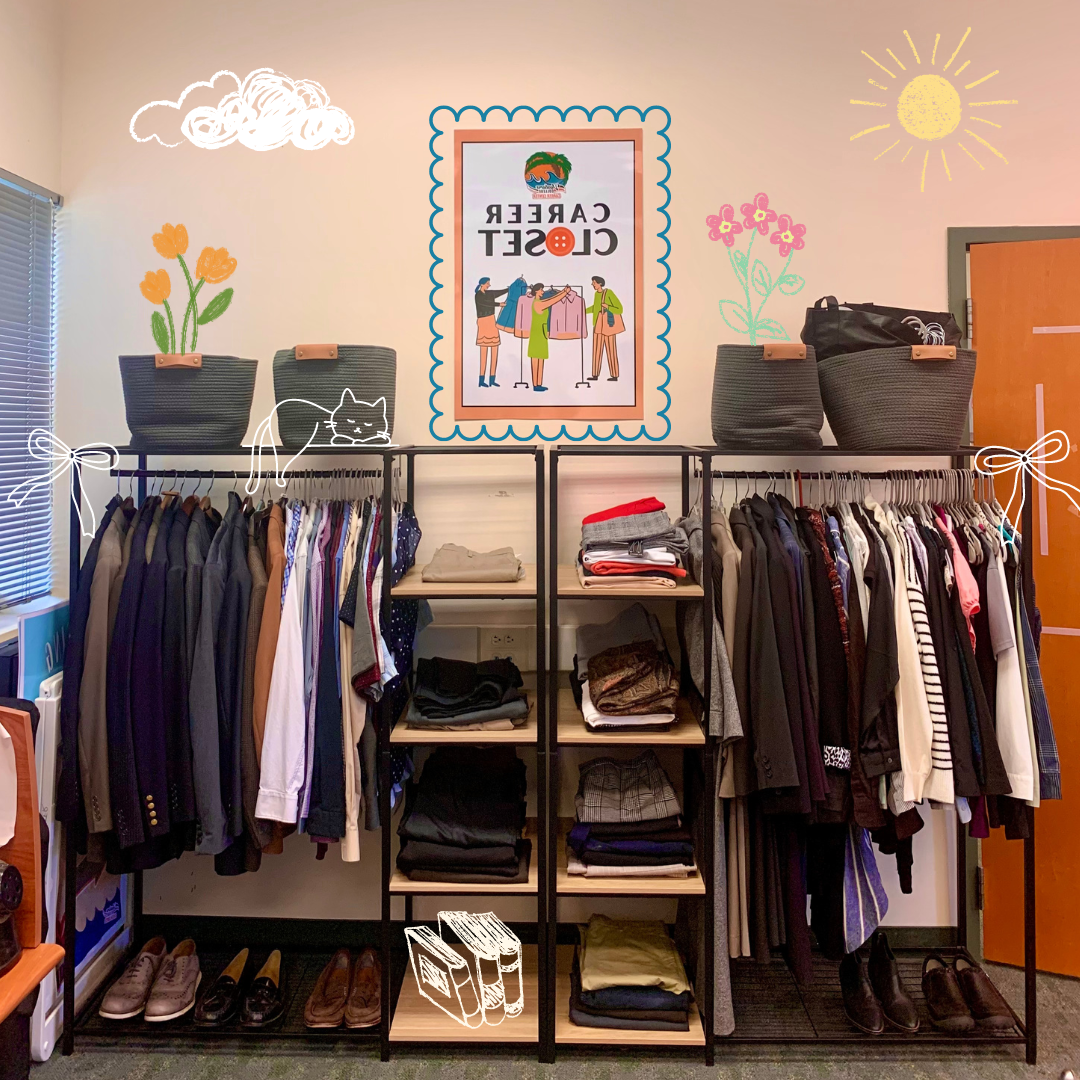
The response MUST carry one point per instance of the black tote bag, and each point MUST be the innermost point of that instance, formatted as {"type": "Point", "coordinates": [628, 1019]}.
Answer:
{"type": "Point", "coordinates": [847, 328]}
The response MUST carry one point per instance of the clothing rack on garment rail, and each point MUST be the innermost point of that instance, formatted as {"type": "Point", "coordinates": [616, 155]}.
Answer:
{"type": "Point", "coordinates": [308, 943]}
{"type": "Point", "coordinates": [969, 884]}
{"type": "Point", "coordinates": [580, 290]}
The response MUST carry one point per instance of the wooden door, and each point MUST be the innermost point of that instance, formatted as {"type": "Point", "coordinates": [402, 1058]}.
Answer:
{"type": "Point", "coordinates": [1026, 314]}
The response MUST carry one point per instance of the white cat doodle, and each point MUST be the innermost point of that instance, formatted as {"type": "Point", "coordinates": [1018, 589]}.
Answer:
{"type": "Point", "coordinates": [351, 423]}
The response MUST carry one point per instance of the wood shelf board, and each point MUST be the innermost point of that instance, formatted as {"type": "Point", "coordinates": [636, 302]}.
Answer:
{"type": "Point", "coordinates": [686, 731]}
{"type": "Point", "coordinates": [413, 586]}
{"type": "Point", "coordinates": [567, 884]}
{"type": "Point", "coordinates": [400, 884]}
{"type": "Point", "coordinates": [567, 1032]}
{"type": "Point", "coordinates": [419, 1020]}
{"type": "Point", "coordinates": [523, 736]}
{"type": "Point", "coordinates": [572, 589]}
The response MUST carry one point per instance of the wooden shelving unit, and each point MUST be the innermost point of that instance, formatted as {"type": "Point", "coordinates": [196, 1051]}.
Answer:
{"type": "Point", "coordinates": [571, 729]}
{"type": "Point", "coordinates": [413, 587]}
{"type": "Point", "coordinates": [568, 1033]}
{"type": "Point", "coordinates": [522, 736]}
{"type": "Point", "coordinates": [570, 588]}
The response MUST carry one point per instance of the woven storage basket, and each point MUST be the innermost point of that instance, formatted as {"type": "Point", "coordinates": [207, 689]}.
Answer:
{"type": "Point", "coordinates": [766, 398]}
{"type": "Point", "coordinates": [187, 408]}
{"type": "Point", "coordinates": [913, 398]}
{"type": "Point", "coordinates": [369, 371]}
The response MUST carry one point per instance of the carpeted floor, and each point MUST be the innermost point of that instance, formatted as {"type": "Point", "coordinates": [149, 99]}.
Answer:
{"type": "Point", "coordinates": [1059, 1048]}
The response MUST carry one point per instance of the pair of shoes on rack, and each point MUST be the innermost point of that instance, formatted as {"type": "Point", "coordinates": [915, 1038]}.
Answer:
{"type": "Point", "coordinates": [260, 1004]}
{"type": "Point", "coordinates": [350, 989]}
{"type": "Point", "coordinates": [960, 996]}
{"type": "Point", "coordinates": [157, 983]}
{"type": "Point", "coordinates": [874, 993]}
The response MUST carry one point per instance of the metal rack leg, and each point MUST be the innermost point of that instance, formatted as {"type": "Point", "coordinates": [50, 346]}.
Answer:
{"type": "Point", "coordinates": [548, 960]}
{"type": "Point", "coordinates": [384, 720]}
{"type": "Point", "coordinates": [709, 802]}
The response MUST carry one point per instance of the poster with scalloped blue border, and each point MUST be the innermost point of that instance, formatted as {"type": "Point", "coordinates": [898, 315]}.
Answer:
{"type": "Point", "coordinates": [549, 273]}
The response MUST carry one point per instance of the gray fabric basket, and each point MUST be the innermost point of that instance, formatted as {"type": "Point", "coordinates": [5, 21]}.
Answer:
{"type": "Point", "coordinates": [760, 404]}
{"type": "Point", "coordinates": [883, 399]}
{"type": "Point", "coordinates": [369, 371]}
{"type": "Point", "coordinates": [204, 408]}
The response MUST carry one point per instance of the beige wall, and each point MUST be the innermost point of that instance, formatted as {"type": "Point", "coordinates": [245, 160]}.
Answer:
{"type": "Point", "coordinates": [332, 245]}
{"type": "Point", "coordinates": [30, 51]}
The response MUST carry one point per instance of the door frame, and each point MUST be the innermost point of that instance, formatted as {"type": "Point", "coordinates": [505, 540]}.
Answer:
{"type": "Point", "coordinates": [959, 243]}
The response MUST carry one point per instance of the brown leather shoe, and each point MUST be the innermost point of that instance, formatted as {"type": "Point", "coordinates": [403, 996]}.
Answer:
{"type": "Point", "coordinates": [365, 993]}
{"type": "Point", "coordinates": [986, 1004]}
{"type": "Point", "coordinates": [948, 1010]}
{"type": "Point", "coordinates": [326, 1006]}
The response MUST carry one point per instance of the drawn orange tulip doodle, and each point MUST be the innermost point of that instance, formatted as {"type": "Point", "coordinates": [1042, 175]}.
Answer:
{"type": "Point", "coordinates": [213, 265]}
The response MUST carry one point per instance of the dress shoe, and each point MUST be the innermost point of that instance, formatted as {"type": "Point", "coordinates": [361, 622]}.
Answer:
{"type": "Point", "coordinates": [219, 1004]}
{"type": "Point", "coordinates": [862, 1008]}
{"type": "Point", "coordinates": [986, 1004]}
{"type": "Point", "coordinates": [173, 993]}
{"type": "Point", "coordinates": [896, 1003]}
{"type": "Point", "coordinates": [127, 996]}
{"type": "Point", "coordinates": [365, 991]}
{"type": "Point", "coordinates": [325, 1007]}
{"type": "Point", "coordinates": [264, 1003]}
{"type": "Point", "coordinates": [948, 1010]}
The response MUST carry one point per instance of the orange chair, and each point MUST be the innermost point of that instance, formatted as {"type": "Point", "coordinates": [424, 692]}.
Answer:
{"type": "Point", "coordinates": [19, 984]}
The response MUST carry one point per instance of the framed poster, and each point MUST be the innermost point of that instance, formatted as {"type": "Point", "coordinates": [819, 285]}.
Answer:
{"type": "Point", "coordinates": [546, 272]}
{"type": "Point", "coordinates": [548, 282]}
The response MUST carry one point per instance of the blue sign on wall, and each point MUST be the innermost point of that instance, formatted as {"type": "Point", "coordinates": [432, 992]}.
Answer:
{"type": "Point", "coordinates": [42, 641]}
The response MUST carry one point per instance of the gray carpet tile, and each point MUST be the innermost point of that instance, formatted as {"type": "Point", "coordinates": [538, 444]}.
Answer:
{"type": "Point", "coordinates": [1059, 1040]}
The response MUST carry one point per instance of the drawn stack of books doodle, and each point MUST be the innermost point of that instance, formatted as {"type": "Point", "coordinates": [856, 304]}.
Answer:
{"type": "Point", "coordinates": [483, 987]}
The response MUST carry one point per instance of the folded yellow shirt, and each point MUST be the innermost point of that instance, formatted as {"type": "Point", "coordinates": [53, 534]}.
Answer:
{"type": "Point", "coordinates": [625, 952]}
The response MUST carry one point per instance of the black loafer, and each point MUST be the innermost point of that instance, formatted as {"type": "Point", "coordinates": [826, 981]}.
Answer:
{"type": "Point", "coordinates": [218, 1006]}
{"type": "Point", "coordinates": [862, 1008]}
{"type": "Point", "coordinates": [264, 1003]}
{"type": "Point", "coordinates": [896, 1003]}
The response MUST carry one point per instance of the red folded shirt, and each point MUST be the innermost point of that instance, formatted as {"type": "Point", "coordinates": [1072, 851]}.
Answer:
{"type": "Point", "coordinates": [634, 568]}
{"type": "Point", "coordinates": [639, 506]}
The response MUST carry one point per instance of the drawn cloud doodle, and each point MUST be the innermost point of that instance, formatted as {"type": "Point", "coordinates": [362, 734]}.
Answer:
{"type": "Point", "coordinates": [263, 111]}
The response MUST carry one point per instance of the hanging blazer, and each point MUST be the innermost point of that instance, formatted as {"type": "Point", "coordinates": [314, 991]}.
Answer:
{"type": "Point", "coordinates": [67, 781]}
{"type": "Point", "coordinates": [147, 696]}
{"type": "Point", "coordinates": [127, 812]}
{"type": "Point", "coordinates": [174, 673]}
{"type": "Point", "coordinates": [270, 624]}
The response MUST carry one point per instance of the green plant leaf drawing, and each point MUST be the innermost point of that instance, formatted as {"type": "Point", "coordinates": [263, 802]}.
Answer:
{"type": "Point", "coordinates": [761, 278]}
{"type": "Point", "coordinates": [790, 284]}
{"type": "Point", "coordinates": [160, 331]}
{"type": "Point", "coordinates": [738, 264]}
{"type": "Point", "coordinates": [770, 328]}
{"type": "Point", "coordinates": [741, 315]}
{"type": "Point", "coordinates": [217, 307]}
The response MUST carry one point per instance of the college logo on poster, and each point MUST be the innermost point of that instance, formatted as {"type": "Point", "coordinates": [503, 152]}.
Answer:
{"type": "Point", "coordinates": [546, 174]}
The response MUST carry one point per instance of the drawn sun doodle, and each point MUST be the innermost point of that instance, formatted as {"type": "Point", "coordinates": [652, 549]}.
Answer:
{"type": "Point", "coordinates": [932, 106]}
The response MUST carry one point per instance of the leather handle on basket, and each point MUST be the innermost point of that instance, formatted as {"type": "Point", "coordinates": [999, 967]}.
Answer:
{"type": "Point", "coordinates": [933, 352]}
{"type": "Point", "coordinates": [316, 352]}
{"type": "Point", "coordinates": [786, 351]}
{"type": "Point", "coordinates": [186, 360]}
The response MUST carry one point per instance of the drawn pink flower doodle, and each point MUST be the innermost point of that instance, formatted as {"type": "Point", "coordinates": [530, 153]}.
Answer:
{"type": "Point", "coordinates": [788, 235]}
{"type": "Point", "coordinates": [724, 227]}
{"type": "Point", "coordinates": [757, 215]}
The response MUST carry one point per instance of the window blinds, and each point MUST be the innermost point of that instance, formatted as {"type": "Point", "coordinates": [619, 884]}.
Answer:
{"type": "Point", "coordinates": [27, 334]}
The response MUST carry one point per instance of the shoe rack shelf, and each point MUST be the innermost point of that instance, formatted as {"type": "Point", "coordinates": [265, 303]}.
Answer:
{"type": "Point", "coordinates": [769, 1007]}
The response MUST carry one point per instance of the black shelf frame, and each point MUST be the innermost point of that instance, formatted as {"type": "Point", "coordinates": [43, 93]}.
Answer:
{"type": "Point", "coordinates": [314, 940]}
{"type": "Point", "coordinates": [704, 979]}
{"type": "Point", "coordinates": [391, 989]}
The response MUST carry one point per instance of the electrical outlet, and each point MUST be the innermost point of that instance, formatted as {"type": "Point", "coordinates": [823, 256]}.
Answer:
{"type": "Point", "coordinates": [516, 643]}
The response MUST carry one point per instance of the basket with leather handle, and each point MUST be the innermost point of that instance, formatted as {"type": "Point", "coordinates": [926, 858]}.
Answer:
{"type": "Point", "coordinates": [190, 401]}
{"type": "Point", "coordinates": [915, 397]}
{"type": "Point", "coordinates": [310, 382]}
{"type": "Point", "coordinates": [765, 397]}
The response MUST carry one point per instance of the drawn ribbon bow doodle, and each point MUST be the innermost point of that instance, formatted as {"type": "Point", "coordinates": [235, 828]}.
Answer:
{"type": "Point", "coordinates": [45, 446]}
{"type": "Point", "coordinates": [1051, 449]}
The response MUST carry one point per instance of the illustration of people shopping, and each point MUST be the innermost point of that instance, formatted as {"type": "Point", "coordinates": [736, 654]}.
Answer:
{"type": "Point", "coordinates": [606, 310]}
{"type": "Point", "coordinates": [538, 331]}
{"type": "Point", "coordinates": [487, 331]}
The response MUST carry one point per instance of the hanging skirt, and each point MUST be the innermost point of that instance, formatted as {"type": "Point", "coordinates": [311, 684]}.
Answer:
{"type": "Point", "coordinates": [487, 332]}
